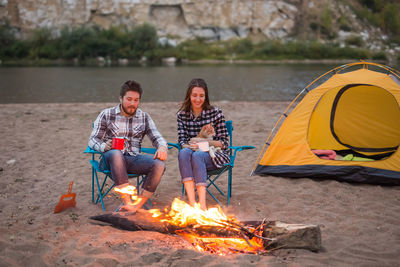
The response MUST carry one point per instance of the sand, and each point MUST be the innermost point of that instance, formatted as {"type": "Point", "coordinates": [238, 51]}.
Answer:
{"type": "Point", "coordinates": [41, 151]}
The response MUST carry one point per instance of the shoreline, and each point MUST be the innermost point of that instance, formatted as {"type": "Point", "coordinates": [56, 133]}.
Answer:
{"type": "Point", "coordinates": [175, 62]}
{"type": "Point", "coordinates": [282, 61]}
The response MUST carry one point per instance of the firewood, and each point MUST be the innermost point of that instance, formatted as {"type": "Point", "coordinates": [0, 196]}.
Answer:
{"type": "Point", "coordinates": [275, 234]}
{"type": "Point", "coordinates": [294, 236]}
{"type": "Point", "coordinates": [136, 222]}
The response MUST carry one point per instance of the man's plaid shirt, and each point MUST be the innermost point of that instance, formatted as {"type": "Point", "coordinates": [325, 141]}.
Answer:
{"type": "Point", "coordinates": [189, 126]}
{"type": "Point", "coordinates": [112, 123]}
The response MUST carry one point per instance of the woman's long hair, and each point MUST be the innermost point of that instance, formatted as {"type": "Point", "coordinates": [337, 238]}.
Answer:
{"type": "Point", "coordinates": [187, 105]}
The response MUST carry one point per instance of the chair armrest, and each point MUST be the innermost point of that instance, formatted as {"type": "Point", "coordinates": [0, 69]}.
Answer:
{"type": "Point", "coordinates": [240, 148]}
{"type": "Point", "coordinates": [153, 150]}
{"type": "Point", "coordinates": [148, 150]}
{"type": "Point", "coordinates": [89, 150]}
{"type": "Point", "coordinates": [236, 149]}
{"type": "Point", "coordinates": [176, 145]}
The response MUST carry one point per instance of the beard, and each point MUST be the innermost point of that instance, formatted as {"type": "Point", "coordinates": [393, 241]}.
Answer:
{"type": "Point", "coordinates": [125, 109]}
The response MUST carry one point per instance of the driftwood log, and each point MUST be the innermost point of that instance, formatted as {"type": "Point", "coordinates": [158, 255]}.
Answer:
{"type": "Point", "coordinates": [276, 234]}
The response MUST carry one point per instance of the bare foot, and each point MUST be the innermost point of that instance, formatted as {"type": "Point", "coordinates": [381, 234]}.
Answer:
{"type": "Point", "coordinates": [128, 208]}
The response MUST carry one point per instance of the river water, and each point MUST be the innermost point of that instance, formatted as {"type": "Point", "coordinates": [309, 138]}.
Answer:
{"type": "Point", "coordinates": [160, 83]}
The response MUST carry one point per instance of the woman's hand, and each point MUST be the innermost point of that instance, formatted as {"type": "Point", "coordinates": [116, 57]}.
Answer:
{"type": "Point", "coordinates": [193, 145]}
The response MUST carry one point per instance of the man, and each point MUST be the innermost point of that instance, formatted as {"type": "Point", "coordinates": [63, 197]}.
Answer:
{"type": "Point", "coordinates": [128, 121]}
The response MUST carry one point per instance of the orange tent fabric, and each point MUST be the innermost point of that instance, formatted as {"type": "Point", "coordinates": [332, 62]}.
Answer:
{"type": "Point", "coordinates": [354, 111]}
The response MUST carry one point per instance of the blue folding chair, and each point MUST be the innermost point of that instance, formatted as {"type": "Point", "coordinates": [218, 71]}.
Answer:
{"type": "Point", "coordinates": [213, 175]}
{"type": "Point", "coordinates": [95, 163]}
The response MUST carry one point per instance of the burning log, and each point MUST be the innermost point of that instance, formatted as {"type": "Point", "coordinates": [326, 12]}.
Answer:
{"type": "Point", "coordinates": [213, 231]}
{"type": "Point", "coordinates": [144, 221]}
{"type": "Point", "coordinates": [139, 221]}
{"type": "Point", "coordinates": [273, 234]}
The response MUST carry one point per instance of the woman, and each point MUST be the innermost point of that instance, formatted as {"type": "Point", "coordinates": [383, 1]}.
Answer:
{"type": "Point", "coordinates": [198, 119]}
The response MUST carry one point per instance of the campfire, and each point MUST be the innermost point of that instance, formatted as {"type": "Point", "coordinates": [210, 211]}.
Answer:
{"type": "Point", "coordinates": [213, 231]}
{"type": "Point", "coordinates": [202, 227]}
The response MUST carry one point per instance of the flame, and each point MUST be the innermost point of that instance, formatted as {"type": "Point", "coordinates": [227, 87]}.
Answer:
{"type": "Point", "coordinates": [182, 214]}
{"type": "Point", "coordinates": [185, 216]}
{"type": "Point", "coordinates": [129, 190]}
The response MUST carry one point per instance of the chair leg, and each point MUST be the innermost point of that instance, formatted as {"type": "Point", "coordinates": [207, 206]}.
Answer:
{"type": "Point", "coordinates": [93, 170]}
{"type": "Point", "coordinates": [229, 187]}
{"type": "Point", "coordinates": [212, 183]}
{"type": "Point", "coordinates": [109, 189]}
{"type": "Point", "coordinates": [211, 194]}
{"type": "Point", "coordinates": [101, 189]}
{"type": "Point", "coordinates": [100, 195]}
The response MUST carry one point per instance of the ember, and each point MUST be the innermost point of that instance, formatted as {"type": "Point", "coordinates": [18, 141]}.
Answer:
{"type": "Point", "coordinates": [223, 245]}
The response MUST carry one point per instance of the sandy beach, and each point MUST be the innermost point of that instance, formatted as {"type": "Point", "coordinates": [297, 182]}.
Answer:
{"type": "Point", "coordinates": [42, 151]}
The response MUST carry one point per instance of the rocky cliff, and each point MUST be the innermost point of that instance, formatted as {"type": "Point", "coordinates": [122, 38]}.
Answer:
{"type": "Point", "coordinates": [210, 19]}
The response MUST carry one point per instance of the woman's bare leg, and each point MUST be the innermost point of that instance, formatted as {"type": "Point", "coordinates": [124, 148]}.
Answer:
{"type": "Point", "coordinates": [189, 187]}
{"type": "Point", "coordinates": [201, 191]}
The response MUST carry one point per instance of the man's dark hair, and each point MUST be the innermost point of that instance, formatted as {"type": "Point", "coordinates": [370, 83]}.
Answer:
{"type": "Point", "coordinates": [131, 85]}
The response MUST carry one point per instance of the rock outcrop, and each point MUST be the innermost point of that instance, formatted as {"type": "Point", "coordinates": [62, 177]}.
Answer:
{"type": "Point", "coordinates": [210, 19]}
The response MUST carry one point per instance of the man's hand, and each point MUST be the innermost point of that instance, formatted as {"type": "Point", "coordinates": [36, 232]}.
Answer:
{"type": "Point", "coordinates": [161, 153]}
{"type": "Point", "coordinates": [108, 145]}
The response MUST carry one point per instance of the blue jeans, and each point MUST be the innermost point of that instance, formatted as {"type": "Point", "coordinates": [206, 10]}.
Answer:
{"type": "Point", "coordinates": [120, 165]}
{"type": "Point", "coordinates": [193, 165]}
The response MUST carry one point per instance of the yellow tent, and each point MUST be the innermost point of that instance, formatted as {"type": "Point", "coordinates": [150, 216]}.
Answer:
{"type": "Point", "coordinates": [353, 116]}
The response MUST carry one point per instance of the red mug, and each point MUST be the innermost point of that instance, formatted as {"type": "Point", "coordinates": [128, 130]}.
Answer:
{"type": "Point", "coordinates": [117, 143]}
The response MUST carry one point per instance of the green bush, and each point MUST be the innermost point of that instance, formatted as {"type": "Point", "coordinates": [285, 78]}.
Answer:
{"type": "Point", "coordinates": [242, 46]}
{"type": "Point", "coordinates": [379, 56]}
{"type": "Point", "coordinates": [119, 42]}
{"type": "Point", "coordinates": [143, 39]}
{"type": "Point", "coordinates": [73, 42]}
{"type": "Point", "coordinates": [193, 49]}
{"type": "Point", "coordinates": [43, 45]}
{"type": "Point", "coordinates": [354, 40]}
{"type": "Point", "coordinates": [116, 42]}
{"type": "Point", "coordinates": [381, 13]}
{"type": "Point", "coordinates": [344, 24]}
{"type": "Point", "coordinates": [374, 5]}
{"type": "Point", "coordinates": [391, 18]}
{"type": "Point", "coordinates": [10, 47]}
{"type": "Point", "coordinates": [326, 22]}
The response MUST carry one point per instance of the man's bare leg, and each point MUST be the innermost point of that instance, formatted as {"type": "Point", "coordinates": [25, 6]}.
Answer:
{"type": "Point", "coordinates": [134, 207]}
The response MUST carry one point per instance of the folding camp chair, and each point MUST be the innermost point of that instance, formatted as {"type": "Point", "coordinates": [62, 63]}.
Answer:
{"type": "Point", "coordinates": [101, 192]}
{"type": "Point", "coordinates": [213, 175]}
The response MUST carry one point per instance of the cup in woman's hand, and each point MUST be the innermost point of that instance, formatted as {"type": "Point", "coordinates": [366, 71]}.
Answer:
{"type": "Point", "coordinates": [203, 146]}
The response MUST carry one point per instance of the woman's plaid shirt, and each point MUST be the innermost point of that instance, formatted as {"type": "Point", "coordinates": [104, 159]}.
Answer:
{"type": "Point", "coordinates": [112, 123]}
{"type": "Point", "coordinates": [189, 126]}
